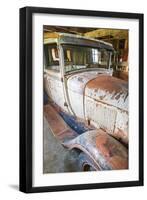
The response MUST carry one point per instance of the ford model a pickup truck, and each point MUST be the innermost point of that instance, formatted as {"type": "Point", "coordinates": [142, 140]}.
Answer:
{"type": "Point", "coordinates": [87, 107]}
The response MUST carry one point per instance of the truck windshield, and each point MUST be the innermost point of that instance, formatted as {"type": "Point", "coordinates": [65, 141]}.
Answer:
{"type": "Point", "coordinates": [81, 57]}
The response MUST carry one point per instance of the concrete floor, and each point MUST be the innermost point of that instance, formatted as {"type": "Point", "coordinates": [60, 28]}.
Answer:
{"type": "Point", "coordinates": [56, 158]}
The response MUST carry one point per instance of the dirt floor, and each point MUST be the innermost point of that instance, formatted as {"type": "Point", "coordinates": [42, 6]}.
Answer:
{"type": "Point", "coordinates": [56, 158]}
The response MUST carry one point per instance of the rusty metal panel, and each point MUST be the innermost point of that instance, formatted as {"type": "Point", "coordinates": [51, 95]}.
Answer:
{"type": "Point", "coordinates": [76, 86]}
{"type": "Point", "coordinates": [109, 90]}
{"type": "Point", "coordinates": [54, 89]}
{"type": "Point", "coordinates": [114, 152]}
{"type": "Point", "coordinates": [59, 128]}
{"type": "Point", "coordinates": [105, 151]}
{"type": "Point", "coordinates": [109, 118]}
{"type": "Point", "coordinates": [100, 115]}
{"type": "Point", "coordinates": [76, 89]}
{"type": "Point", "coordinates": [121, 130]}
{"type": "Point", "coordinates": [77, 82]}
{"type": "Point", "coordinates": [106, 105]}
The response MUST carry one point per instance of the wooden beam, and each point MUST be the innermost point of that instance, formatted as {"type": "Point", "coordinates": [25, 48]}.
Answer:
{"type": "Point", "coordinates": [50, 35]}
{"type": "Point", "coordinates": [99, 33]}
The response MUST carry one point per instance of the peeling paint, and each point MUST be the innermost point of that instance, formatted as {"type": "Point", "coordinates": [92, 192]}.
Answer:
{"type": "Point", "coordinates": [98, 98]}
{"type": "Point", "coordinates": [54, 89]}
{"type": "Point", "coordinates": [77, 82]}
{"type": "Point", "coordinates": [110, 90]}
{"type": "Point", "coordinates": [103, 115]}
{"type": "Point", "coordinates": [106, 152]}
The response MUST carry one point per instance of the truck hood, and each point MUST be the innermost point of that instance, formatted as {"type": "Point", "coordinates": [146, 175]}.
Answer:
{"type": "Point", "coordinates": [100, 87]}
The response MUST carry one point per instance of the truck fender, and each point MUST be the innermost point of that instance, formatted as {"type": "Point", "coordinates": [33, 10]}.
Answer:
{"type": "Point", "coordinates": [104, 151]}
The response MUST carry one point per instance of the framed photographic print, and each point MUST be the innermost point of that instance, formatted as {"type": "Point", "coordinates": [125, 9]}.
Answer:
{"type": "Point", "coordinates": [81, 99]}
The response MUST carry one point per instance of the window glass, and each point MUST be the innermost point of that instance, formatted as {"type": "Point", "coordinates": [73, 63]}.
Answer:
{"type": "Point", "coordinates": [81, 57]}
{"type": "Point", "coordinates": [51, 57]}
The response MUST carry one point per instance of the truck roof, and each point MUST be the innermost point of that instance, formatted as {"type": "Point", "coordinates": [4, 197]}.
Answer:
{"type": "Point", "coordinates": [67, 38]}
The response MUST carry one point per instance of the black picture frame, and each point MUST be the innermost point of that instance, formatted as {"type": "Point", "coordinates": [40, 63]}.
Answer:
{"type": "Point", "coordinates": [26, 120]}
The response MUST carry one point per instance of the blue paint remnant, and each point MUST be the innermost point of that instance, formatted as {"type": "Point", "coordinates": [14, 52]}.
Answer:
{"type": "Point", "coordinates": [45, 98]}
{"type": "Point", "coordinates": [79, 127]}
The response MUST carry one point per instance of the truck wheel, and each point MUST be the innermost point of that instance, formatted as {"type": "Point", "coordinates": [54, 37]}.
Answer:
{"type": "Point", "coordinates": [85, 163]}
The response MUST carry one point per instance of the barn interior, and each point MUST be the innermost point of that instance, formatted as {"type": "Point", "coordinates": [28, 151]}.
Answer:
{"type": "Point", "coordinates": [56, 158]}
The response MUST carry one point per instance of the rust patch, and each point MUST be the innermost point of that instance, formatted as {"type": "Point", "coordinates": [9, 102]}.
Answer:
{"type": "Point", "coordinates": [53, 119]}
{"type": "Point", "coordinates": [105, 151]}
{"type": "Point", "coordinates": [67, 135]}
{"type": "Point", "coordinates": [108, 83]}
{"type": "Point", "coordinates": [113, 151]}
{"type": "Point", "coordinates": [108, 90]}
{"type": "Point", "coordinates": [119, 162]}
{"type": "Point", "coordinates": [59, 128]}
{"type": "Point", "coordinates": [121, 136]}
{"type": "Point", "coordinates": [100, 143]}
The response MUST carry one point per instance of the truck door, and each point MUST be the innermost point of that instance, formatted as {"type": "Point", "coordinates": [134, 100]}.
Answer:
{"type": "Point", "coordinates": [52, 75]}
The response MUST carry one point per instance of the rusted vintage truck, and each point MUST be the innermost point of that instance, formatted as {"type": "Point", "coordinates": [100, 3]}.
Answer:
{"type": "Point", "coordinates": [86, 108]}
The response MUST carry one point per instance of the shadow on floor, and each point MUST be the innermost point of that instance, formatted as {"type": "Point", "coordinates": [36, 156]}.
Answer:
{"type": "Point", "coordinates": [57, 159]}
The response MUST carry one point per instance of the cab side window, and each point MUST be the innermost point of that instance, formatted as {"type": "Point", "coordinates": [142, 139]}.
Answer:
{"type": "Point", "coordinates": [51, 57]}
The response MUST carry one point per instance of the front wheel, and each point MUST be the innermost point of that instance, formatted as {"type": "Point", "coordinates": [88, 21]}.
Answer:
{"type": "Point", "coordinates": [85, 163]}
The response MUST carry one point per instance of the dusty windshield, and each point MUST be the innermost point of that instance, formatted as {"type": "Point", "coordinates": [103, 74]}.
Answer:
{"type": "Point", "coordinates": [81, 57]}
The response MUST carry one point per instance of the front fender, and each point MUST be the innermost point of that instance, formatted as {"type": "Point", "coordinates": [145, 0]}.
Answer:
{"type": "Point", "coordinates": [105, 151]}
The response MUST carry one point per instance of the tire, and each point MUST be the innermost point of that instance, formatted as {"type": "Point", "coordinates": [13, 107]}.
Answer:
{"type": "Point", "coordinates": [85, 163]}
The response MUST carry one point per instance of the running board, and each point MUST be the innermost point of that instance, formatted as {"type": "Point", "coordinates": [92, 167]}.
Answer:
{"type": "Point", "coordinates": [57, 125]}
